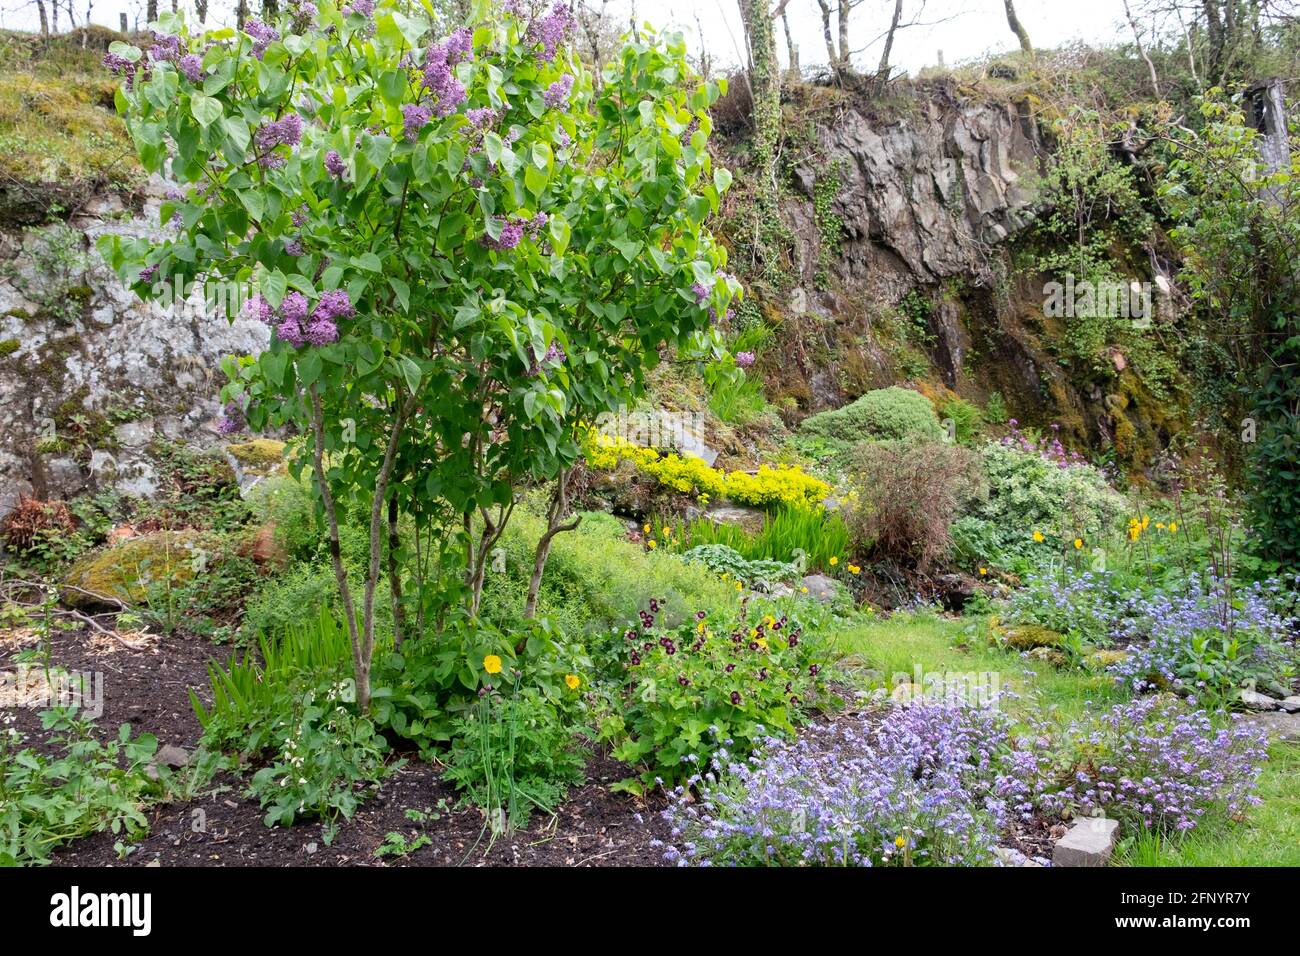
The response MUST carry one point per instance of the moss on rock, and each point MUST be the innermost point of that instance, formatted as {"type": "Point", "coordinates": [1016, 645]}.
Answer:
{"type": "Point", "coordinates": [130, 571]}
{"type": "Point", "coordinates": [261, 456]}
{"type": "Point", "coordinates": [1025, 637]}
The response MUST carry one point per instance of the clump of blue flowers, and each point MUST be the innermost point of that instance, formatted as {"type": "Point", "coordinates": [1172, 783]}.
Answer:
{"type": "Point", "coordinates": [928, 785]}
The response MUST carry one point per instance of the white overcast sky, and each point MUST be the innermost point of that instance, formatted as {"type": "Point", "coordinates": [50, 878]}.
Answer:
{"type": "Point", "coordinates": [962, 29]}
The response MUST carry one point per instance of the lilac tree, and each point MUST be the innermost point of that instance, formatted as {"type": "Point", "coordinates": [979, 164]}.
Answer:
{"type": "Point", "coordinates": [462, 246]}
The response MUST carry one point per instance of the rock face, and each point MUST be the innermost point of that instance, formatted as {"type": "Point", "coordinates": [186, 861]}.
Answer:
{"type": "Point", "coordinates": [89, 374]}
{"type": "Point", "coordinates": [926, 194]}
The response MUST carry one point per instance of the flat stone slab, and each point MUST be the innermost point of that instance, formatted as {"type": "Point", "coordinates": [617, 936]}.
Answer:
{"type": "Point", "coordinates": [1089, 842]}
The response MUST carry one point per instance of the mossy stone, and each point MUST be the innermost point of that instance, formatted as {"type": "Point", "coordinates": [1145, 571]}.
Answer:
{"type": "Point", "coordinates": [261, 456]}
{"type": "Point", "coordinates": [129, 571]}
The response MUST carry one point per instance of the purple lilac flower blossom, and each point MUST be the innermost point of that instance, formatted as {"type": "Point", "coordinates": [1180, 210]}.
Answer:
{"type": "Point", "coordinates": [263, 36]}
{"type": "Point", "coordinates": [558, 92]}
{"type": "Point", "coordinates": [334, 164]}
{"type": "Point", "coordinates": [549, 31]}
{"type": "Point", "coordinates": [415, 116]}
{"type": "Point", "coordinates": [191, 66]}
{"type": "Point", "coordinates": [232, 419]}
{"type": "Point", "coordinates": [744, 359]}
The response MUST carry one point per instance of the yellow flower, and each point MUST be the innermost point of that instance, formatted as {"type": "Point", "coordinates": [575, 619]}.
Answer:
{"type": "Point", "coordinates": [1173, 527]}
{"type": "Point", "coordinates": [572, 681]}
{"type": "Point", "coordinates": [983, 571]}
{"type": "Point", "coordinates": [699, 628]}
{"type": "Point", "coordinates": [753, 632]}
{"type": "Point", "coordinates": [1134, 532]}
{"type": "Point", "coordinates": [1078, 543]}
{"type": "Point", "coordinates": [492, 664]}
{"type": "Point", "coordinates": [1160, 525]}
{"type": "Point", "coordinates": [854, 569]}
{"type": "Point", "coordinates": [739, 586]}
{"type": "Point", "coordinates": [834, 561]}
{"type": "Point", "coordinates": [1038, 536]}
{"type": "Point", "coordinates": [900, 842]}
{"type": "Point", "coordinates": [646, 529]}
{"type": "Point", "coordinates": [803, 590]}
{"type": "Point", "coordinates": [668, 532]}
{"type": "Point", "coordinates": [652, 544]}
{"type": "Point", "coordinates": [762, 642]}
{"type": "Point", "coordinates": [1146, 520]}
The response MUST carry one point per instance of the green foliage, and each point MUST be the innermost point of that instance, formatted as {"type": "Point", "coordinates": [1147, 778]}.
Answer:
{"type": "Point", "coordinates": [516, 751]}
{"type": "Point", "coordinates": [595, 578]}
{"type": "Point", "coordinates": [884, 414]}
{"type": "Point", "coordinates": [995, 409]}
{"type": "Point", "coordinates": [1238, 226]}
{"type": "Point", "coordinates": [428, 684]}
{"type": "Point", "coordinates": [965, 417]}
{"type": "Point", "coordinates": [725, 560]}
{"type": "Point", "coordinates": [807, 539]}
{"type": "Point", "coordinates": [250, 693]}
{"type": "Point", "coordinates": [557, 260]}
{"type": "Point", "coordinates": [1028, 493]}
{"type": "Point", "coordinates": [687, 689]}
{"type": "Point", "coordinates": [325, 752]}
{"type": "Point", "coordinates": [71, 787]}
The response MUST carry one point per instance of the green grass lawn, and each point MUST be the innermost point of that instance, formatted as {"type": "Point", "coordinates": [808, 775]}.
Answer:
{"type": "Point", "coordinates": [1268, 836]}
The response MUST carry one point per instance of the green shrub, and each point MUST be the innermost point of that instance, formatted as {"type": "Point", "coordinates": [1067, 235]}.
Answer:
{"type": "Point", "coordinates": [325, 752]}
{"type": "Point", "coordinates": [512, 754]}
{"type": "Point", "coordinates": [737, 679]}
{"type": "Point", "coordinates": [965, 418]}
{"type": "Point", "coordinates": [289, 505]}
{"type": "Point", "coordinates": [724, 559]}
{"type": "Point", "coordinates": [70, 787]}
{"type": "Point", "coordinates": [884, 414]}
{"type": "Point", "coordinates": [1028, 493]}
{"type": "Point", "coordinates": [805, 538]}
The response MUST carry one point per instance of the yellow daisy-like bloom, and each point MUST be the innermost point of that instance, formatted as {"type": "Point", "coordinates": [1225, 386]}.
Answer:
{"type": "Point", "coordinates": [769, 620]}
{"type": "Point", "coordinates": [762, 642]}
{"type": "Point", "coordinates": [1146, 520]}
{"type": "Point", "coordinates": [699, 628]}
{"type": "Point", "coordinates": [753, 632]}
{"type": "Point", "coordinates": [1078, 543]}
{"type": "Point", "coordinates": [1160, 526]}
{"type": "Point", "coordinates": [1173, 527]}
{"type": "Point", "coordinates": [668, 532]}
{"type": "Point", "coordinates": [1134, 532]}
{"type": "Point", "coordinates": [646, 529]}
{"type": "Point", "coordinates": [803, 590]}
{"type": "Point", "coordinates": [834, 561]}
{"type": "Point", "coordinates": [572, 681]}
{"type": "Point", "coordinates": [492, 664]}
{"type": "Point", "coordinates": [739, 586]}
{"type": "Point", "coordinates": [1038, 536]}
{"type": "Point", "coordinates": [854, 569]}
{"type": "Point", "coordinates": [652, 544]}
{"type": "Point", "coordinates": [983, 571]}
{"type": "Point", "coordinates": [900, 842]}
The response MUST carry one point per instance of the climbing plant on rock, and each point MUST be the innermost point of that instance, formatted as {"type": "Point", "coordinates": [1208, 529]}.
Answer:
{"type": "Point", "coordinates": [456, 241]}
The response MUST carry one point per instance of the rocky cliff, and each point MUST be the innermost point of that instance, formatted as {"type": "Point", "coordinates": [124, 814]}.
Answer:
{"type": "Point", "coordinates": [89, 374]}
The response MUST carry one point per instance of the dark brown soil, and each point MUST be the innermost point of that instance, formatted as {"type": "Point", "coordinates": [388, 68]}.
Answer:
{"type": "Point", "coordinates": [150, 690]}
